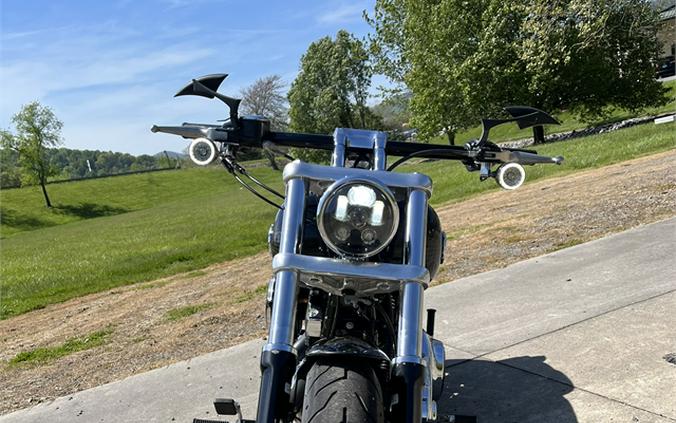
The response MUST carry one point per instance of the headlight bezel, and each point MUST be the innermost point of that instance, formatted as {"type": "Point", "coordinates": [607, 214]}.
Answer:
{"type": "Point", "coordinates": [329, 195]}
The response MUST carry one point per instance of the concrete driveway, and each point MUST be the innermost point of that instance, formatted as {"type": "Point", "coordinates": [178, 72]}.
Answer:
{"type": "Point", "coordinates": [580, 335]}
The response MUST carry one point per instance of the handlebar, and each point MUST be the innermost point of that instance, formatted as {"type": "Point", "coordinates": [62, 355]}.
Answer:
{"type": "Point", "coordinates": [253, 133]}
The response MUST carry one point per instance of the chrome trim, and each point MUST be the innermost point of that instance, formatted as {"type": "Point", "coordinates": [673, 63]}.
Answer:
{"type": "Point", "coordinates": [298, 169]}
{"type": "Point", "coordinates": [292, 220]}
{"type": "Point", "coordinates": [344, 138]}
{"type": "Point", "coordinates": [439, 359]}
{"type": "Point", "coordinates": [429, 406]}
{"type": "Point", "coordinates": [322, 266]}
{"type": "Point", "coordinates": [409, 336]}
{"type": "Point", "coordinates": [416, 228]}
{"type": "Point", "coordinates": [279, 347]}
{"type": "Point", "coordinates": [379, 154]}
{"type": "Point", "coordinates": [327, 196]}
{"type": "Point", "coordinates": [339, 147]}
{"type": "Point", "coordinates": [485, 170]}
{"type": "Point", "coordinates": [282, 319]}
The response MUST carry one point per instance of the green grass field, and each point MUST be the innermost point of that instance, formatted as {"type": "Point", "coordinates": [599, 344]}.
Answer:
{"type": "Point", "coordinates": [23, 209]}
{"type": "Point", "coordinates": [177, 221]}
{"type": "Point", "coordinates": [117, 231]}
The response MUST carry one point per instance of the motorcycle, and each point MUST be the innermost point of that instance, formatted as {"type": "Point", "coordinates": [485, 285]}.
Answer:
{"type": "Point", "coordinates": [354, 247]}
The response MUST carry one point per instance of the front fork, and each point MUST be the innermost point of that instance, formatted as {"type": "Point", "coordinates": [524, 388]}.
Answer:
{"type": "Point", "coordinates": [278, 359]}
{"type": "Point", "coordinates": [409, 367]}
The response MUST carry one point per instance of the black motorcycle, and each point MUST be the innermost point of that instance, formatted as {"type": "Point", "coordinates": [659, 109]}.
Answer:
{"type": "Point", "coordinates": [354, 247]}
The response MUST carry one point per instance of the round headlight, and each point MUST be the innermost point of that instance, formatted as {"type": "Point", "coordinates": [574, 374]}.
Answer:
{"type": "Point", "coordinates": [357, 217]}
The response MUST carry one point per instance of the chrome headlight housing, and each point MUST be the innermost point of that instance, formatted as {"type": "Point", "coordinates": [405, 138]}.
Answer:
{"type": "Point", "coordinates": [357, 217]}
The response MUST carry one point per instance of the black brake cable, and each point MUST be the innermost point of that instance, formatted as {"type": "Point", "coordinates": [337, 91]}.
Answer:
{"type": "Point", "coordinates": [416, 154]}
{"type": "Point", "coordinates": [239, 168]}
{"type": "Point", "coordinates": [256, 193]}
{"type": "Point", "coordinates": [232, 167]}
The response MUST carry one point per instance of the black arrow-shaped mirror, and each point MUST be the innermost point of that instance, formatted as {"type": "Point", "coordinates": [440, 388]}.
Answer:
{"type": "Point", "coordinates": [524, 117]}
{"type": "Point", "coordinates": [207, 86]}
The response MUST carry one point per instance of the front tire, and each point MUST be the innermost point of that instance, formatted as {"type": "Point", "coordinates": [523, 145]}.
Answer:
{"type": "Point", "coordinates": [342, 392]}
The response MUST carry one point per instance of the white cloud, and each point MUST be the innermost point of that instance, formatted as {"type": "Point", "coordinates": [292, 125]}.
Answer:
{"type": "Point", "coordinates": [342, 14]}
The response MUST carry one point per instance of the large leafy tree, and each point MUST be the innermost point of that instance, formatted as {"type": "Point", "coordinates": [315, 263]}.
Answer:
{"type": "Point", "coordinates": [266, 97]}
{"type": "Point", "coordinates": [37, 129]}
{"type": "Point", "coordinates": [465, 59]}
{"type": "Point", "coordinates": [331, 88]}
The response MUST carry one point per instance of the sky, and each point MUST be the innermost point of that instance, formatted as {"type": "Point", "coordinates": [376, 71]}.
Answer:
{"type": "Point", "coordinates": [109, 69]}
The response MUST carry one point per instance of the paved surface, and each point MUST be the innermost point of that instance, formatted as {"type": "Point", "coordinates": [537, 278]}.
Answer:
{"type": "Point", "coordinates": [579, 335]}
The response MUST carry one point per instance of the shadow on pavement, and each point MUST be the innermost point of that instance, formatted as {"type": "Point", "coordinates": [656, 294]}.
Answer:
{"type": "Point", "coordinates": [498, 392]}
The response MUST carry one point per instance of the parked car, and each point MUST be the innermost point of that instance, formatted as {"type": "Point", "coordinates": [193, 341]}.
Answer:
{"type": "Point", "coordinates": [666, 67]}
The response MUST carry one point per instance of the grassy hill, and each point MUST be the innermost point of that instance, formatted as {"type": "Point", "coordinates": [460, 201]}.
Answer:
{"type": "Point", "coordinates": [568, 121]}
{"type": "Point", "coordinates": [116, 231]}
{"type": "Point", "coordinates": [23, 209]}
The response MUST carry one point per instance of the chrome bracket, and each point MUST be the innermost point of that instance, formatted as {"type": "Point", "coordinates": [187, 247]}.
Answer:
{"type": "Point", "coordinates": [344, 138]}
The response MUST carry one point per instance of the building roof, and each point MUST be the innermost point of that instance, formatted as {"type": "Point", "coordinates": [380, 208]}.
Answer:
{"type": "Point", "coordinates": [668, 13]}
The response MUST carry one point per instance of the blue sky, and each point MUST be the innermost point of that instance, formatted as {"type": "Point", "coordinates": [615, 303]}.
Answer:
{"type": "Point", "coordinates": [109, 69]}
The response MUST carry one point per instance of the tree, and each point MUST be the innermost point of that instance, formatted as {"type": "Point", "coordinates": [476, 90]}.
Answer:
{"type": "Point", "coordinates": [10, 176]}
{"type": "Point", "coordinates": [465, 60]}
{"type": "Point", "coordinates": [266, 97]}
{"type": "Point", "coordinates": [37, 129]}
{"type": "Point", "coordinates": [331, 89]}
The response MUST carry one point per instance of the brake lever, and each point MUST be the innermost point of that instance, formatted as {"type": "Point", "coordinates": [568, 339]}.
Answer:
{"type": "Point", "coordinates": [510, 173]}
{"type": "Point", "coordinates": [521, 157]}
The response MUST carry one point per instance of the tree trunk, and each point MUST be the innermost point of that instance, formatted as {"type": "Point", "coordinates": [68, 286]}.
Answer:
{"type": "Point", "coordinates": [44, 192]}
{"type": "Point", "coordinates": [271, 158]}
{"type": "Point", "coordinates": [451, 137]}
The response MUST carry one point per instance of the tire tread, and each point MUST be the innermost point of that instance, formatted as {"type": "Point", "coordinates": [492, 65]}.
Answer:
{"type": "Point", "coordinates": [342, 393]}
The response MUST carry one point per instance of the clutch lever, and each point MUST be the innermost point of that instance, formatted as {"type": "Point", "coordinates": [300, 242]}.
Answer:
{"type": "Point", "coordinates": [190, 132]}
{"type": "Point", "coordinates": [194, 131]}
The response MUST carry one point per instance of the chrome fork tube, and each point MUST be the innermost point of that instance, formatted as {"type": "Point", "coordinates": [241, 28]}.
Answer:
{"type": "Point", "coordinates": [280, 337]}
{"type": "Point", "coordinates": [409, 365]}
{"type": "Point", "coordinates": [409, 339]}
